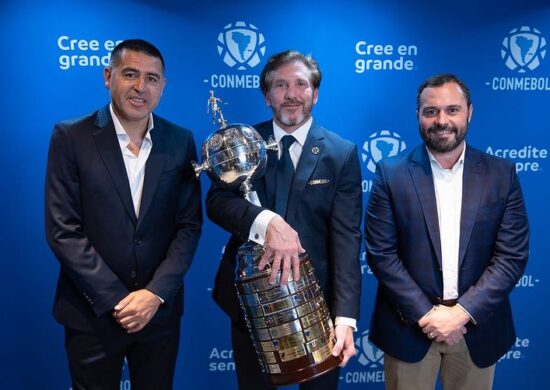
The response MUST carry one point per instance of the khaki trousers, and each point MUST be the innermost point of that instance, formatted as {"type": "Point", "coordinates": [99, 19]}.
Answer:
{"type": "Point", "coordinates": [453, 363]}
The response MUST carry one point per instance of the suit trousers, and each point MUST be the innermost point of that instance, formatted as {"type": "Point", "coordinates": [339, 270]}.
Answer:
{"type": "Point", "coordinates": [453, 362]}
{"type": "Point", "coordinates": [249, 373]}
{"type": "Point", "coordinates": [96, 362]}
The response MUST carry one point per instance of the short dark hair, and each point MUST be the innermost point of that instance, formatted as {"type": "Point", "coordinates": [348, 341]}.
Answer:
{"type": "Point", "coordinates": [286, 57]}
{"type": "Point", "coordinates": [138, 45]}
{"type": "Point", "coordinates": [438, 81]}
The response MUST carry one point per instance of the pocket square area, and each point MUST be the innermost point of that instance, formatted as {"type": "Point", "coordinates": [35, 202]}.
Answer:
{"type": "Point", "coordinates": [316, 182]}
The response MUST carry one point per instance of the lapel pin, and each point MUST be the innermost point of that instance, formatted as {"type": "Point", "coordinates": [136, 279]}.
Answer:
{"type": "Point", "coordinates": [315, 150]}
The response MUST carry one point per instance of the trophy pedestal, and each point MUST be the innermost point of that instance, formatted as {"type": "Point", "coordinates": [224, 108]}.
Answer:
{"type": "Point", "coordinates": [295, 375]}
{"type": "Point", "coordinates": [290, 325]}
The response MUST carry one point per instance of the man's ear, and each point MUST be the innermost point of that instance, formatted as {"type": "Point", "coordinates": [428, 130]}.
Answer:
{"type": "Point", "coordinates": [107, 76]}
{"type": "Point", "coordinates": [315, 95]}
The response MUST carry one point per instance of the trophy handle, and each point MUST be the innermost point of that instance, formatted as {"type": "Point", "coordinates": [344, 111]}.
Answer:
{"type": "Point", "coordinates": [271, 144]}
{"type": "Point", "coordinates": [199, 168]}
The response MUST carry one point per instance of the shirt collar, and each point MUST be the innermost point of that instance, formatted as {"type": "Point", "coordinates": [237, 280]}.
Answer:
{"type": "Point", "coordinates": [455, 167]}
{"type": "Point", "coordinates": [120, 129]}
{"type": "Point", "coordinates": [300, 133]}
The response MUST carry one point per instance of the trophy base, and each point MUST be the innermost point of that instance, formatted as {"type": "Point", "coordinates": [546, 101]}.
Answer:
{"type": "Point", "coordinates": [301, 374]}
{"type": "Point", "coordinates": [290, 325]}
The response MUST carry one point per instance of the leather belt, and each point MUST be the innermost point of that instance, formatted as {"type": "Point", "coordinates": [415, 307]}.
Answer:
{"type": "Point", "coordinates": [447, 302]}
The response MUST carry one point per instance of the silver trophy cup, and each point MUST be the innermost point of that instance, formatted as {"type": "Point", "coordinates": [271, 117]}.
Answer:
{"type": "Point", "coordinates": [290, 325]}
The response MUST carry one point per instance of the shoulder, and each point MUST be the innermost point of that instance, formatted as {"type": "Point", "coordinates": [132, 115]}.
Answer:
{"type": "Point", "coordinates": [265, 129]}
{"type": "Point", "coordinates": [334, 140]}
{"type": "Point", "coordinates": [403, 160]}
{"type": "Point", "coordinates": [74, 124]}
{"type": "Point", "coordinates": [86, 124]}
{"type": "Point", "coordinates": [171, 130]}
{"type": "Point", "coordinates": [494, 167]}
{"type": "Point", "coordinates": [488, 159]}
{"type": "Point", "coordinates": [76, 130]}
{"type": "Point", "coordinates": [264, 125]}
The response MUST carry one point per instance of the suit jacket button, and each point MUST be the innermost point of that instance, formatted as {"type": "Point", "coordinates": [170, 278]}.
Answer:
{"type": "Point", "coordinates": [133, 274]}
{"type": "Point", "coordinates": [137, 241]}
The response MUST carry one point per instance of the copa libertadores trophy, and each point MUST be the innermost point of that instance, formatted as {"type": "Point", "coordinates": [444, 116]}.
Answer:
{"type": "Point", "coordinates": [290, 325]}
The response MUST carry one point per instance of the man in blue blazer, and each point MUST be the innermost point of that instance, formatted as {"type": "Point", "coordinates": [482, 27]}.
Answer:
{"type": "Point", "coordinates": [123, 217]}
{"type": "Point", "coordinates": [320, 212]}
{"type": "Point", "coordinates": [447, 238]}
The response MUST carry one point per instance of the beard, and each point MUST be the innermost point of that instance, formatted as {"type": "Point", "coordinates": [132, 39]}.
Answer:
{"type": "Point", "coordinates": [295, 119]}
{"type": "Point", "coordinates": [441, 145]}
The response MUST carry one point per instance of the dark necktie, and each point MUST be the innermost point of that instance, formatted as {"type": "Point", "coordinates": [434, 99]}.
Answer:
{"type": "Point", "coordinates": [285, 174]}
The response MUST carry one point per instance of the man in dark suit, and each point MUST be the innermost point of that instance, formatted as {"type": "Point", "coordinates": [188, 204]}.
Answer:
{"type": "Point", "coordinates": [447, 238]}
{"type": "Point", "coordinates": [123, 217]}
{"type": "Point", "coordinates": [320, 213]}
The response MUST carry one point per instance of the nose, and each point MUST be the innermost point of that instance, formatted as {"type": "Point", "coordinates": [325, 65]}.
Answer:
{"type": "Point", "coordinates": [442, 118]}
{"type": "Point", "coordinates": [139, 84]}
{"type": "Point", "coordinates": [290, 93]}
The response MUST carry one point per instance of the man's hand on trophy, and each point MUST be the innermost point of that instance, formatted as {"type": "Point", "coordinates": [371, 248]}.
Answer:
{"type": "Point", "coordinates": [282, 244]}
{"type": "Point", "coordinates": [344, 343]}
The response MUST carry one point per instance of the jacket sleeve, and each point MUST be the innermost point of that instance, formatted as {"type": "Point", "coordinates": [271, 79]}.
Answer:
{"type": "Point", "coordinates": [509, 259]}
{"type": "Point", "coordinates": [167, 279]}
{"type": "Point", "coordinates": [229, 210]}
{"type": "Point", "coordinates": [345, 236]}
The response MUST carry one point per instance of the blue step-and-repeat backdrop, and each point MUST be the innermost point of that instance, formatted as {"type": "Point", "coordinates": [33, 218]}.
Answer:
{"type": "Point", "coordinates": [373, 55]}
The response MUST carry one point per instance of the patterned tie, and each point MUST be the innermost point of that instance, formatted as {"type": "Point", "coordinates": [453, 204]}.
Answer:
{"type": "Point", "coordinates": [285, 174]}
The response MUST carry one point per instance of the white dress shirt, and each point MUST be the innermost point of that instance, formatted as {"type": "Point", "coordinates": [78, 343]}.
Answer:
{"type": "Point", "coordinates": [448, 196]}
{"type": "Point", "coordinates": [135, 165]}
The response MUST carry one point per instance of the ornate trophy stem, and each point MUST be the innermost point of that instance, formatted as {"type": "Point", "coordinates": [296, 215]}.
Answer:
{"type": "Point", "coordinates": [290, 325]}
{"type": "Point", "coordinates": [249, 194]}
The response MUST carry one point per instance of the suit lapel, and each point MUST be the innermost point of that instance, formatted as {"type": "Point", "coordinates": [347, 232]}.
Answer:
{"type": "Point", "coordinates": [153, 169]}
{"type": "Point", "coordinates": [472, 187]}
{"type": "Point", "coordinates": [311, 152]}
{"type": "Point", "coordinates": [109, 149]}
{"type": "Point", "coordinates": [422, 178]}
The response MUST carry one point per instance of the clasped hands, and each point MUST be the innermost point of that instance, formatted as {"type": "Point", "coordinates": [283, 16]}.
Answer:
{"type": "Point", "coordinates": [445, 324]}
{"type": "Point", "coordinates": [135, 311]}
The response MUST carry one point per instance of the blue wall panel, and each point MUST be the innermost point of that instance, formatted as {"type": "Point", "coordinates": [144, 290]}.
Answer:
{"type": "Point", "coordinates": [373, 56]}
